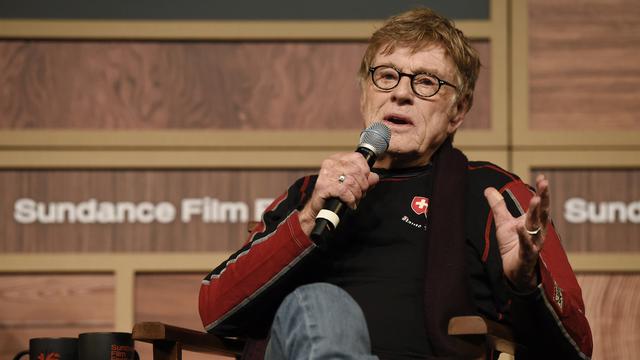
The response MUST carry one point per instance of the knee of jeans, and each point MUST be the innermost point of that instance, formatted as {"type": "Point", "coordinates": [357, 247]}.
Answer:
{"type": "Point", "coordinates": [324, 298]}
{"type": "Point", "coordinates": [319, 316]}
{"type": "Point", "coordinates": [324, 290]}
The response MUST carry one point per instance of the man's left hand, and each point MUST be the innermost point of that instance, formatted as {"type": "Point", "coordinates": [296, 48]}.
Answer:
{"type": "Point", "coordinates": [521, 239]}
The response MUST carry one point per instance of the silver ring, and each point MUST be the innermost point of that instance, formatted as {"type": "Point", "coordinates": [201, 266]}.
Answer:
{"type": "Point", "coordinates": [342, 178]}
{"type": "Point", "coordinates": [534, 232]}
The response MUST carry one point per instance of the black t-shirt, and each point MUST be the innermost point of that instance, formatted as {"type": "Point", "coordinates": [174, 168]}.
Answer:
{"type": "Point", "coordinates": [377, 256]}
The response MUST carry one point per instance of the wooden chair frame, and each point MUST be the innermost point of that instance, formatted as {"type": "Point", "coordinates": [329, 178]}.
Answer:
{"type": "Point", "coordinates": [169, 341]}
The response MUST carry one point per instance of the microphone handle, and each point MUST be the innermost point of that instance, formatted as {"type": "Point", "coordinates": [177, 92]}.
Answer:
{"type": "Point", "coordinates": [334, 208]}
{"type": "Point", "coordinates": [368, 154]}
{"type": "Point", "coordinates": [323, 226]}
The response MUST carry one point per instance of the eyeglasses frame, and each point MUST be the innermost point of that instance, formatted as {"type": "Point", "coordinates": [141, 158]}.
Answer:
{"type": "Point", "coordinates": [411, 77]}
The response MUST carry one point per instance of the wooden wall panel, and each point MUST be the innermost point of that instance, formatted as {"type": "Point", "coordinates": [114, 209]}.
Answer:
{"type": "Point", "coordinates": [480, 115]}
{"type": "Point", "coordinates": [613, 310]}
{"type": "Point", "coordinates": [54, 299]}
{"type": "Point", "coordinates": [189, 85]}
{"type": "Point", "coordinates": [584, 64]}
{"type": "Point", "coordinates": [135, 186]}
{"type": "Point", "coordinates": [172, 299]}
{"type": "Point", "coordinates": [595, 186]}
{"type": "Point", "coordinates": [52, 305]}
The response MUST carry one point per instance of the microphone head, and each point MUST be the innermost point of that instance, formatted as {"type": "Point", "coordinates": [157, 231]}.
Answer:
{"type": "Point", "coordinates": [376, 138]}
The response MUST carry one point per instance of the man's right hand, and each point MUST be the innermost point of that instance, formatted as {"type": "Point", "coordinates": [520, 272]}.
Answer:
{"type": "Point", "coordinates": [358, 178]}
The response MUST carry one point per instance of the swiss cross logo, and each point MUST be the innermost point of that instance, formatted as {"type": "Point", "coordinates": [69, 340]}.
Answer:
{"type": "Point", "coordinates": [420, 205]}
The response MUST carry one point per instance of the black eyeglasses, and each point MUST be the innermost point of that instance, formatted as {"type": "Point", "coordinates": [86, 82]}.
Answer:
{"type": "Point", "coordinates": [423, 84]}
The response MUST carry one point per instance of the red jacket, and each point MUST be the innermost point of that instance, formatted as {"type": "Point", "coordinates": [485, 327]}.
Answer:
{"type": "Point", "coordinates": [240, 296]}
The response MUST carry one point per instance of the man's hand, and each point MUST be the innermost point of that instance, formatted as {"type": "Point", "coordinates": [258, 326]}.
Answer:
{"type": "Point", "coordinates": [358, 178]}
{"type": "Point", "coordinates": [521, 239]}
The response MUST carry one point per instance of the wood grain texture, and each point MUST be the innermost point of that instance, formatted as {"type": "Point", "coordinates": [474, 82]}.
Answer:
{"type": "Point", "coordinates": [52, 305]}
{"type": "Point", "coordinates": [134, 186]}
{"type": "Point", "coordinates": [594, 186]}
{"type": "Point", "coordinates": [49, 300]}
{"type": "Point", "coordinates": [479, 117]}
{"type": "Point", "coordinates": [188, 85]}
{"type": "Point", "coordinates": [613, 309]}
{"type": "Point", "coordinates": [172, 299]}
{"type": "Point", "coordinates": [584, 64]}
{"type": "Point", "coordinates": [169, 298]}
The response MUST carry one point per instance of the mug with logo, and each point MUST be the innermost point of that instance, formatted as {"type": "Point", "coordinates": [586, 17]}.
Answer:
{"type": "Point", "coordinates": [106, 346]}
{"type": "Point", "coordinates": [51, 349]}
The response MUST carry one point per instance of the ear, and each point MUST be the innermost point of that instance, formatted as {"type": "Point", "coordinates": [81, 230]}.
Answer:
{"type": "Point", "coordinates": [457, 118]}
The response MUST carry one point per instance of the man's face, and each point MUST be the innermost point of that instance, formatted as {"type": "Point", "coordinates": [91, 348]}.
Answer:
{"type": "Point", "coordinates": [418, 125]}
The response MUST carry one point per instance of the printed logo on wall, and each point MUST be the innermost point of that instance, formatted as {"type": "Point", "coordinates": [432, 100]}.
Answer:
{"type": "Point", "coordinates": [580, 211]}
{"type": "Point", "coordinates": [92, 211]}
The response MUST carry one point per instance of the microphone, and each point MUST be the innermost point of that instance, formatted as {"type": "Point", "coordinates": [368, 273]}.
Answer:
{"type": "Point", "coordinates": [374, 141]}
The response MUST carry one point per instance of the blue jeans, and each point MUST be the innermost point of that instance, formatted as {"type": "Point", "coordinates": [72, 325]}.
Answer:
{"type": "Point", "coordinates": [319, 321]}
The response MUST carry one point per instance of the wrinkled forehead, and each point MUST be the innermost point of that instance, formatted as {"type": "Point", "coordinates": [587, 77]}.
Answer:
{"type": "Point", "coordinates": [425, 56]}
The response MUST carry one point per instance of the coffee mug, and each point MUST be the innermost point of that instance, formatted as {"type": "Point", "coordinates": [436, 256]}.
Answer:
{"type": "Point", "coordinates": [106, 346]}
{"type": "Point", "coordinates": [51, 349]}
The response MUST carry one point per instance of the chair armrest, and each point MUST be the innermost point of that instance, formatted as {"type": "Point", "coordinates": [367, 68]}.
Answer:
{"type": "Point", "coordinates": [498, 336]}
{"type": "Point", "coordinates": [192, 340]}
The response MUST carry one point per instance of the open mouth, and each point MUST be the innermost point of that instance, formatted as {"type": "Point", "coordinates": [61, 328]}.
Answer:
{"type": "Point", "coordinates": [397, 120]}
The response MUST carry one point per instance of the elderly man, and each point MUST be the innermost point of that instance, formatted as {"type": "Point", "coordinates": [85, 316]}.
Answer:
{"type": "Point", "coordinates": [435, 236]}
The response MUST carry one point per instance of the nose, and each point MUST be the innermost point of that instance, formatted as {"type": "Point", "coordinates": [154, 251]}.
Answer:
{"type": "Point", "coordinates": [403, 93]}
